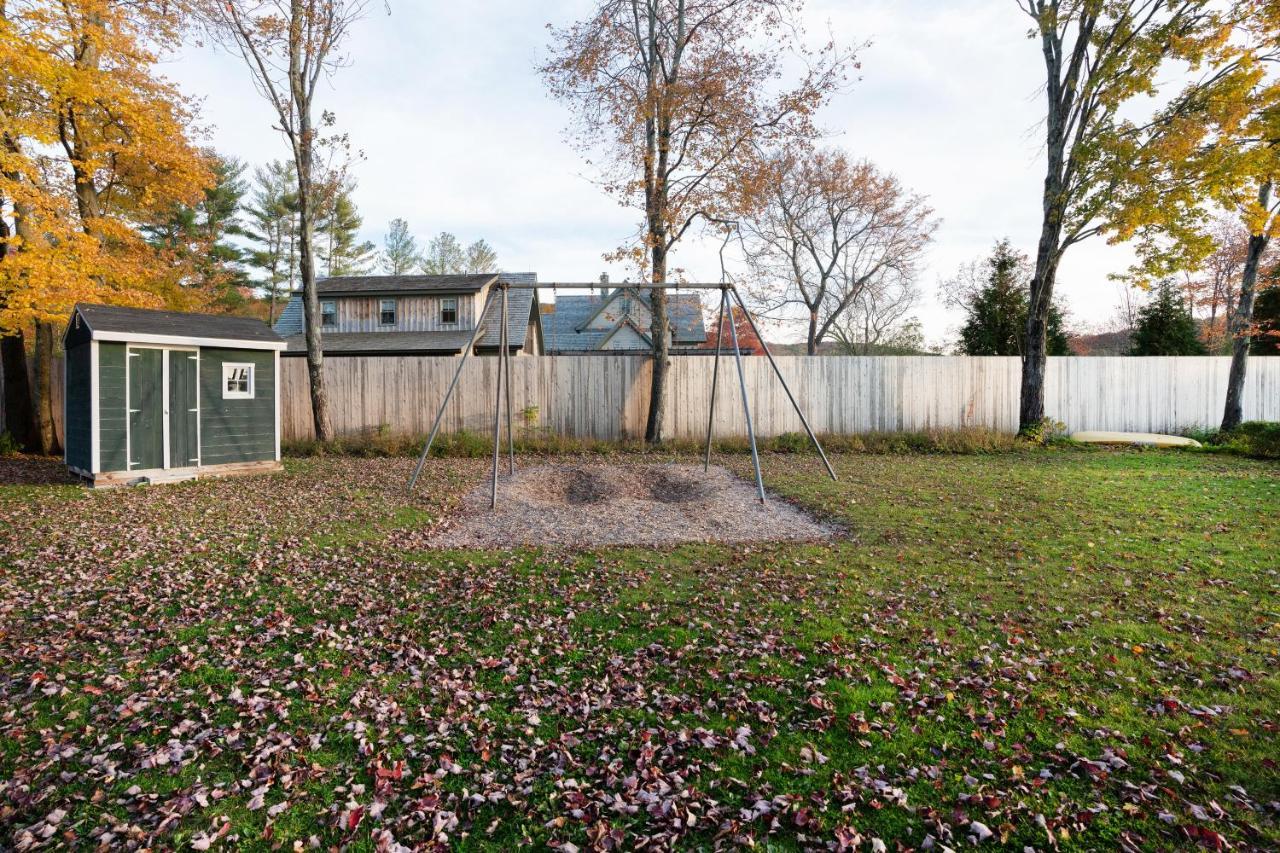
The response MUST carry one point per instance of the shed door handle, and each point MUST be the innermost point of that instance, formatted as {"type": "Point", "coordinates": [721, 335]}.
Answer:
{"type": "Point", "coordinates": [134, 411]}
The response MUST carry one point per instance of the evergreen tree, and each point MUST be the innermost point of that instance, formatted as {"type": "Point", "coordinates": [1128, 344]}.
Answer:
{"type": "Point", "coordinates": [444, 256]}
{"type": "Point", "coordinates": [273, 230]}
{"type": "Point", "coordinates": [1165, 325]}
{"type": "Point", "coordinates": [1266, 317]}
{"type": "Point", "coordinates": [480, 257]}
{"type": "Point", "coordinates": [338, 237]}
{"type": "Point", "coordinates": [198, 235]}
{"type": "Point", "coordinates": [996, 308]}
{"type": "Point", "coordinates": [399, 249]}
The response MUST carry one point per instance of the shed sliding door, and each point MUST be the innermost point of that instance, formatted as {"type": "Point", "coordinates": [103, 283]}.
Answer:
{"type": "Point", "coordinates": [164, 408]}
{"type": "Point", "coordinates": [146, 408]}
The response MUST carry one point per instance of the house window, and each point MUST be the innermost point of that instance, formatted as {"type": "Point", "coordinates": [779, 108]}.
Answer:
{"type": "Point", "coordinates": [237, 381]}
{"type": "Point", "coordinates": [448, 311]}
{"type": "Point", "coordinates": [328, 314]}
{"type": "Point", "coordinates": [387, 312]}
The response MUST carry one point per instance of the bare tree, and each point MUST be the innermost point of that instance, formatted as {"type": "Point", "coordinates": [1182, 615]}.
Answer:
{"type": "Point", "coordinates": [879, 319]}
{"type": "Point", "coordinates": [289, 46]}
{"type": "Point", "coordinates": [673, 98]}
{"type": "Point", "coordinates": [831, 231]}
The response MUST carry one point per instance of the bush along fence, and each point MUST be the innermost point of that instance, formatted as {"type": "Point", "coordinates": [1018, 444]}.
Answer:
{"type": "Point", "coordinates": [606, 397]}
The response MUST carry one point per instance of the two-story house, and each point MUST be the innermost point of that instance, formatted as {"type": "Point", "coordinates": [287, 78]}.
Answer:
{"type": "Point", "coordinates": [415, 315]}
{"type": "Point", "coordinates": [618, 320]}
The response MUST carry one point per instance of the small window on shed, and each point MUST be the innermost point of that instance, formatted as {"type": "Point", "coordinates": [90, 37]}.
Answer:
{"type": "Point", "coordinates": [448, 311]}
{"type": "Point", "coordinates": [237, 381]}
{"type": "Point", "coordinates": [328, 313]}
{"type": "Point", "coordinates": [387, 312]}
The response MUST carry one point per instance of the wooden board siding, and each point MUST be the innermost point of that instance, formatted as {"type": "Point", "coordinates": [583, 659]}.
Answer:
{"type": "Point", "coordinates": [112, 438]}
{"type": "Point", "coordinates": [413, 314]}
{"type": "Point", "coordinates": [79, 407]}
{"type": "Point", "coordinates": [237, 430]}
{"type": "Point", "coordinates": [606, 396]}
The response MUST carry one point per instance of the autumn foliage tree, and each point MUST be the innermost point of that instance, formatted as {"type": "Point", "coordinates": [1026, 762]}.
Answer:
{"type": "Point", "coordinates": [672, 100]}
{"type": "Point", "coordinates": [93, 144]}
{"type": "Point", "coordinates": [1218, 152]}
{"type": "Point", "coordinates": [1099, 57]}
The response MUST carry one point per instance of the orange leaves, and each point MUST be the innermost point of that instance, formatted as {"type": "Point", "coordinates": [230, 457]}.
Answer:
{"type": "Point", "coordinates": [95, 143]}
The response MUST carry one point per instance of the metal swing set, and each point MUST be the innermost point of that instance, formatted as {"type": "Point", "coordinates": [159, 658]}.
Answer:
{"type": "Point", "coordinates": [728, 296]}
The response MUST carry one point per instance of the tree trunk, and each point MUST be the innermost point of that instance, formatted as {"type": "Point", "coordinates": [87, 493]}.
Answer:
{"type": "Point", "coordinates": [44, 355]}
{"type": "Point", "coordinates": [812, 339]}
{"type": "Point", "coordinates": [19, 416]}
{"type": "Point", "coordinates": [659, 331]}
{"type": "Point", "coordinates": [1241, 322]}
{"type": "Point", "coordinates": [1036, 349]}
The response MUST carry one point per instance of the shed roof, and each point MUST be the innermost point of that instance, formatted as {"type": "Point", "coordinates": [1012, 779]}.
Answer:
{"type": "Point", "coordinates": [145, 325]}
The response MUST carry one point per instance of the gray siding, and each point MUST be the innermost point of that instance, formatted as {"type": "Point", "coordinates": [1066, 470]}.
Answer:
{"type": "Point", "coordinates": [79, 407]}
{"type": "Point", "coordinates": [113, 451]}
{"type": "Point", "coordinates": [413, 313]}
{"type": "Point", "coordinates": [237, 430]}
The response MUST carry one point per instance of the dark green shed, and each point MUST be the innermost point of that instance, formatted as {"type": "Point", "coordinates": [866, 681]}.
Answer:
{"type": "Point", "coordinates": [153, 396]}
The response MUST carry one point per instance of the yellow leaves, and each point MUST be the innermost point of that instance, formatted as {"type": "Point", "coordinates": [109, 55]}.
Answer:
{"type": "Point", "coordinates": [96, 143]}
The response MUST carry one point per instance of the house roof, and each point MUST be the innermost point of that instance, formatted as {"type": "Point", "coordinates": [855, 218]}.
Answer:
{"type": "Point", "coordinates": [563, 319]}
{"type": "Point", "coordinates": [366, 285]}
{"type": "Point", "coordinates": [145, 325]}
{"type": "Point", "coordinates": [520, 306]}
{"type": "Point", "coordinates": [384, 343]}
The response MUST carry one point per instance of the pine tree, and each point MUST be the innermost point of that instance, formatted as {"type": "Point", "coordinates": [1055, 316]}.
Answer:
{"type": "Point", "coordinates": [480, 258]}
{"type": "Point", "coordinates": [273, 230]}
{"type": "Point", "coordinates": [444, 256]}
{"type": "Point", "coordinates": [338, 236]}
{"type": "Point", "coordinates": [1165, 325]}
{"type": "Point", "coordinates": [996, 310]}
{"type": "Point", "coordinates": [399, 249]}
{"type": "Point", "coordinates": [196, 237]}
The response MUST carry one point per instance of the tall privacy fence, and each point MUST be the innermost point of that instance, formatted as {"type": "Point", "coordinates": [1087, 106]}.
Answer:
{"type": "Point", "coordinates": [607, 397]}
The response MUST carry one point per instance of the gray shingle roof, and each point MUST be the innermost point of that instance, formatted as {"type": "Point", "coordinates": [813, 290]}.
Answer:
{"type": "Point", "coordinates": [291, 320]}
{"type": "Point", "coordinates": [367, 284]}
{"type": "Point", "coordinates": [145, 321]}
{"type": "Point", "coordinates": [519, 307]}
{"type": "Point", "coordinates": [367, 343]}
{"type": "Point", "coordinates": [562, 319]}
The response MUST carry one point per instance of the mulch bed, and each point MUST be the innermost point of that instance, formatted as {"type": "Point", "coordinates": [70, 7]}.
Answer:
{"type": "Point", "coordinates": [587, 505]}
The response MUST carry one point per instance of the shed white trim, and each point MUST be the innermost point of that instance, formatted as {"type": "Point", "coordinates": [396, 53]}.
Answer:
{"type": "Point", "coordinates": [184, 341]}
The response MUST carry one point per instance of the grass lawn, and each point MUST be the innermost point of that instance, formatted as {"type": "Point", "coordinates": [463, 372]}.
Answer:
{"type": "Point", "coordinates": [1057, 649]}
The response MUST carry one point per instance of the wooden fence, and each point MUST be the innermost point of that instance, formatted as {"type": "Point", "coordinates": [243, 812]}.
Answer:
{"type": "Point", "coordinates": [607, 396]}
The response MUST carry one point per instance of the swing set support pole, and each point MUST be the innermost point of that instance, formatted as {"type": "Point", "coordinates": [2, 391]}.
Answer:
{"type": "Point", "coordinates": [453, 384]}
{"type": "Point", "coordinates": [777, 372]}
{"type": "Point", "coordinates": [715, 376]}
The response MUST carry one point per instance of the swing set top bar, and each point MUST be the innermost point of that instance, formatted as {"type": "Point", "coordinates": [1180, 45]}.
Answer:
{"type": "Point", "coordinates": [609, 285]}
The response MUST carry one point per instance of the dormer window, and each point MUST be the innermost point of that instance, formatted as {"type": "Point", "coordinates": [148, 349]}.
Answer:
{"type": "Point", "coordinates": [328, 314]}
{"type": "Point", "coordinates": [448, 311]}
{"type": "Point", "coordinates": [387, 312]}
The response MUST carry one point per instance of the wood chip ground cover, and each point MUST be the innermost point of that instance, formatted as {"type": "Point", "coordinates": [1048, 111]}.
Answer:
{"type": "Point", "coordinates": [584, 504]}
{"type": "Point", "coordinates": [1055, 650]}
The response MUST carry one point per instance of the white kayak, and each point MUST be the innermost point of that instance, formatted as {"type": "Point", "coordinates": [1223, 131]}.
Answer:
{"type": "Point", "coordinates": [1145, 439]}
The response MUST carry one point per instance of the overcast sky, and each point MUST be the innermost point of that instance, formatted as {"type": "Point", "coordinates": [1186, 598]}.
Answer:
{"type": "Point", "coordinates": [459, 134]}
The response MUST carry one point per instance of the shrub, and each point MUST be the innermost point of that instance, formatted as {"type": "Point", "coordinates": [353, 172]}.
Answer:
{"type": "Point", "coordinates": [9, 445]}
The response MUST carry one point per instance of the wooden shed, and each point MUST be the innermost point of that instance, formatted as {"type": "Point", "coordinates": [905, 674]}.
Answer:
{"type": "Point", "coordinates": [154, 396]}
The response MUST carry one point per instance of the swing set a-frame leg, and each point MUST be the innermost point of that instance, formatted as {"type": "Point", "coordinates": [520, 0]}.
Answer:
{"type": "Point", "coordinates": [453, 384]}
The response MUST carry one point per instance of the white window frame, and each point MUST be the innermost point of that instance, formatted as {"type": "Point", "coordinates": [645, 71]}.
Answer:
{"type": "Point", "coordinates": [445, 306]}
{"type": "Point", "coordinates": [382, 311]}
{"type": "Point", "coordinates": [327, 303]}
{"type": "Point", "coordinates": [230, 366]}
